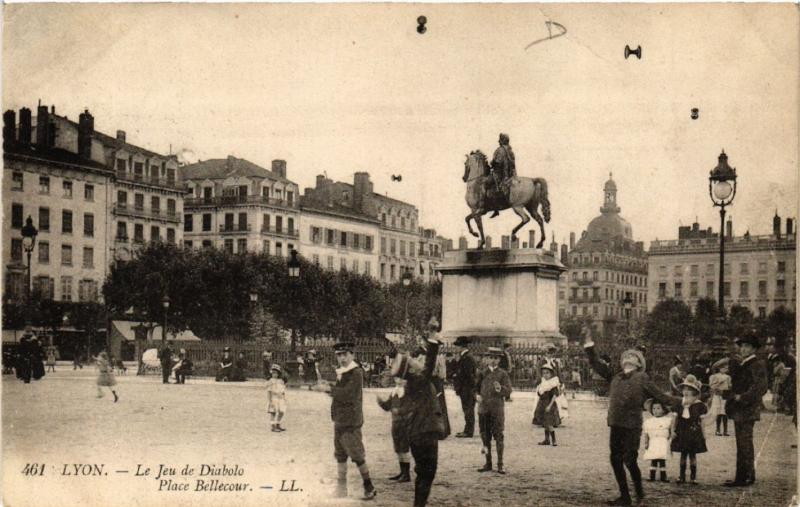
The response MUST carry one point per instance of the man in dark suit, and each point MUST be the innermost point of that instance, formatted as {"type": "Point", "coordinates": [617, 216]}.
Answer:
{"type": "Point", "coordinates": [464, 383]}
{"type": "Point", "coordinates": [743, 404]}
{"type": "Point", "coordinates": [165, 355]}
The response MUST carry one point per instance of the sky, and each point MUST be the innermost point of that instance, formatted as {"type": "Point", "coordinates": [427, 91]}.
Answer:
{"type": "Point", "coordinates": [337, 89]}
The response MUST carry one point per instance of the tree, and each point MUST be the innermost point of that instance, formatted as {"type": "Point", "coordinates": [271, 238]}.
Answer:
{"type": "Point", "coordinates": [705, 324]}
{"type": "Point", "coordinates": [740, 321]}
{"type": "Point", "coordinates": [670, 322]}
{"type": "Point", "coordinates": [781, 324]}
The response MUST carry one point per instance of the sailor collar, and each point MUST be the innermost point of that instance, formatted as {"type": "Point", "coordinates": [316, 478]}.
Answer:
{"type": "Point", "coordinates": [341, 371]}
{"type": "Point", "coordinates": [748, 359]}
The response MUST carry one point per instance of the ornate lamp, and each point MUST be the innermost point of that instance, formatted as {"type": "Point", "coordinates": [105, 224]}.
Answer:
{"type": "Point", "coordinates": [722, 190]}
{"type": "Point", "coordinates": [294, 266]}
{"type": "Point", "coordinates": [29, 233]}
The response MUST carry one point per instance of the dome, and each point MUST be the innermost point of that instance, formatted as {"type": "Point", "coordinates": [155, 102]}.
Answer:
{"type": "Point", "coordinates": [609, 225]}
{"type": "Point", "coordinates": [610, 185]}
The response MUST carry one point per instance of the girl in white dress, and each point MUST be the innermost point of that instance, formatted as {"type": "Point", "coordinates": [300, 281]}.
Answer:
{"type": "Point", "coordinates": [276, 398]}
{"type": "Point", "coordinates": [657, 435]}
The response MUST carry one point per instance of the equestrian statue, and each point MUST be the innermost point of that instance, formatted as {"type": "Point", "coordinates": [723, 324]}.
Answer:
{"type": "Point", "coordinates": [495, 187]}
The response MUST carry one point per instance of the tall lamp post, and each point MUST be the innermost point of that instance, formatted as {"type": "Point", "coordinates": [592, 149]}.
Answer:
{"type": "Point", "coordinates": [406, 279]}
{"type": "Point", "coordinates": [29, 233]}
{"type": "Point", "coordinates": [294, 276]}
{"type": "Point", "coordinates": [627, 303]}
{"type": "Point", "coordinates": [722, 189]}
{"type": "Point", "coordinates": [253, 302]}
{"type": "Point", "coordinates": [165, 303]}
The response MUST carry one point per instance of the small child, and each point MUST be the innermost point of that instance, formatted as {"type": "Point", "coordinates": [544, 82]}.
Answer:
{"type": "Point", "coordinates": [276, 398]}
{"type": "Point", "coordinates": [657, 435]}
{"type": "Point", "coordinates": [51, 360]}
{"type": "Point", "coordinates": [397, 403]}
{"type": "Point", "coordinates": [546, 413]}
{"type": "Point", "coordinates": [720, 383]}
{"type": "Point", "coordinates": [105, 376]}
{"type": "Point", "coordinates": [688, 429]}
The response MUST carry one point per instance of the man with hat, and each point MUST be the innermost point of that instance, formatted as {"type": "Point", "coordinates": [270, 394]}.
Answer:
{"type": "Point", "coordinates": [743, 403]}
{"type": "Point", "coordinates": [225, 366]}
{"type": "Point", "coordinates": [464, 383]}
{"type": "Point", "coordinates": [348, 417]}
{"type": "Point", "coordinates": [494, 387]}
{"type": "Point", "coordinates": [165, 355]}
{"type": "Point", "coordinates": [628, 390]}
{"type": "Point", "coordinates": [503, 167]}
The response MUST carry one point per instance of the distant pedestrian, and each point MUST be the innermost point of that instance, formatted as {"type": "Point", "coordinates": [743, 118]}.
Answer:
{"type": "Point", "coordinates": [51, 359]}
{"type": "Point", "coordinates": [165, 355]}
{"type": "Point", "coordinates": [676, 375]}
{"type": "Point", "coordinates": [464, 383]}
{"type": "Point", "coordinates": [546, 412]}
{"type": "Point", "coordinates": [720, 384]}
{"type": "Point", "coordinates": [276, 398]}
{"type": "Point", "coordinates": [105, 375]}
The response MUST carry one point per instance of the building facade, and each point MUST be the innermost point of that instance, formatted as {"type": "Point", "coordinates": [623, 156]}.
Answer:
{"type": "Point", "coordinates": [92, 197]}
{"type": "Point", "coordinates": [759, 270]}
{"type": "Point", "coordinates": [236, 205]}
{"type": "Point", "coordinates": [606, 281]}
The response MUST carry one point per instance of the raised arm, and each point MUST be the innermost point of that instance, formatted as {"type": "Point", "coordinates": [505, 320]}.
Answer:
{"type": "Point", "coordinates": [598, 366]}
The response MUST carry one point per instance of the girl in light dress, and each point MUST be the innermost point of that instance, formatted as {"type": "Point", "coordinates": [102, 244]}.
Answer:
{"type": "Point", "coordinates": [276, 398]}
{"type": "Point", "coordinates": [657, 435]}
{"type": "Point", "coordinates": [105, 375]}
{"type": "Point", "coordinates": [720, 383]}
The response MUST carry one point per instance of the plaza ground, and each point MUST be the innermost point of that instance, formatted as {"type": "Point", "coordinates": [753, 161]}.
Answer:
{"type": "Point", "coordinates": [59, 421]}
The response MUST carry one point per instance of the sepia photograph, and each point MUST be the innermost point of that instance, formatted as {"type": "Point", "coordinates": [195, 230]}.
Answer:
{"type": "Point", "coordinates": [283, 254]}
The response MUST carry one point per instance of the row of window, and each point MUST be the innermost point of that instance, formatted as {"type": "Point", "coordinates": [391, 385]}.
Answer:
{"type": "Point", "coordinates": [138, 202]}
{"type": "Point", "coordinates": [354, 264]}
{"type": "Point", "coordinates": [638, 297]}
{"type": "Point", "coordinates": [342, 239]}
{"type": "Point", "coordinates": [391, 221]}
{"type": "Point", "coordinates": [43, 253]}
{"type": "Point", "coordinates": [623, 278]}
{"type": "Point", "coordinates": [744, 289]}
{"type": "Point", "coordinates": [18, 213]}
{"type": "Point", "coordinates": [18, 184]}
{"type": "Point", "coordinates": [610, 311]}
{"type": "Point", "coordinates": [242, 225]}
{"type": "Point", "coordinates": [242, 191]}
{"type": "Point", "coordinates": [393, 247]}
{"type": "Point", "coordinates": [241, 246]}
{"type": "Point", "coordinates": [140, 170]}
{"type": "Point", "coordinates": [44, 287]}
{"type": "Point", "coordinates": [711, 269]}
{"type": "Point", "coordinates": [138, 233]}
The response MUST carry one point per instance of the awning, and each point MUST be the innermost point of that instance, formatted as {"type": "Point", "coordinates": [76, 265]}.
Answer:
{"type": "Point", "coordinates": [123, 330]}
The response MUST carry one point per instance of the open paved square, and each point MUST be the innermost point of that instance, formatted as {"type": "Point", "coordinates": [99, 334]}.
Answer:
{"type": "Point", "coordinates": [60, 423]}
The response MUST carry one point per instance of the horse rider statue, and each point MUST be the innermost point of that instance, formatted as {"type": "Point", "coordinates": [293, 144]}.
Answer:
{"type": "Point", "coordinates": [503, 168]}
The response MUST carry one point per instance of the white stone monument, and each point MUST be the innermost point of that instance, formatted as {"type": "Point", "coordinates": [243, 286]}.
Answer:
{"type": "Point", "coordinates": [501, 296]}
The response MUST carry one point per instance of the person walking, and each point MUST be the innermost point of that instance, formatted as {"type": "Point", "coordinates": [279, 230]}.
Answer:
{"type": "Point", "coordinates": [743, 404]}
{"type": "Point", "coordinates": [464, 383]}
{"type": "Point", "coordinates": [165, 355]}
{"type": "Point", "coordinates": [105, 375]}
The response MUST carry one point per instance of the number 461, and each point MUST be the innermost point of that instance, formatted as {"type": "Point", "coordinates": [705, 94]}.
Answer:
{"type": "Point", "coordinates": [33, 469]}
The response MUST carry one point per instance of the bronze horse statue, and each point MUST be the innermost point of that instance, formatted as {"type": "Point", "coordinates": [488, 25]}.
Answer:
{"type": "Point", "coordinates": [524, 194]}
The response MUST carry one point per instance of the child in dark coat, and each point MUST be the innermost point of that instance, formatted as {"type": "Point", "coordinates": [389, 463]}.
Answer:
{"type": "Point", "coordinates": [546, 412]}
{"type": "Point", "coordinates": [398, 404]}
{"type": "Point", "coordinates": [689, 439]}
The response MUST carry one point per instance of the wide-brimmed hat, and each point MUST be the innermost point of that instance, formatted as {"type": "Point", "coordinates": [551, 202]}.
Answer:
{"type": "Point", "coordinates": [633, 356]}
{"type": "Point", "coordinates": [548, 365]}
{"type": "Point", "coordinates": [277, 368]}
{"type": "Point", "coordinates": [691, 381]}
{"type": "Point", "coordinates": [344, 347]}
{"type": "Point", "coordinates": [266, 354]}
{"type": "Point", "coordinates": [461, 341]}
{"type": "Point", "coordinates": [750, 338]}
{"type": "Point", "coordinates": [648, 405]}
{"type": "Point", "coordinates": [226, 349]}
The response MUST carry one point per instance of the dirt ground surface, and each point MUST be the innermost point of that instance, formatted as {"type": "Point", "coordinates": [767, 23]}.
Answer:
{"type": "Point", "coordinates": [60, 423]}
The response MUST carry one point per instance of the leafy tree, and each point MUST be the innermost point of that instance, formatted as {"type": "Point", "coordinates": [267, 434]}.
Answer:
{"type": "Point", "coordinates": [781, 324]}
{"type": "Point", "coordinates": [705, 324]}
{"type": "Point", "coordinates": [740, 321]}
{"type": "Point", "coordinates": [670, 322]}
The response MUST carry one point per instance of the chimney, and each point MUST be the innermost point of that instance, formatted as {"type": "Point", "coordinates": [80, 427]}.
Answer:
{"type": "Point", "coordinates": [572, 241]}
{"type": "Point", "coordinates": [505, 242]}
{"type": "Point", "coordinates": [564, 254]}
{"type": "Point", "coordinates": [320, 181]}
{"type": "Point", "coordinates": [279, 167]}
{"type": "Point", "coordinates": [729, 229]}
{"type": "Point", "coordinates": [462, 241]}
{"type": "Point", "coordinates": [121, 136]}
{"type": "Point", "coordinates": [9, 127]}
{"type": "Point", "coordinates": [789, 227]}
{"type": "Point", "coordinates": [42, 120]}
{"type": "Point", "coordinates": [554, 247]}
{"type": "Point", "coordinates": [488, 242]}
{"type": "Point", "coordinates": [515, 243]}
{"type": "Point", "coordinates": [776, 225]}
{"type": "Point", "coordinates": [524, 244]}
{"type": "Point", "coordinates": [531, 238]}
{"type": "Point", "coordinates": [362, 189]}
{"type": "Point", "coordinates": [85, 131]}
{"type": "Point", "coordinates": [25, 126]}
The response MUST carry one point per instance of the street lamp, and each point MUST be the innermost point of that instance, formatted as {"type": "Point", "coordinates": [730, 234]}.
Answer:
{"type": "Point", "coordinates": [406, 279]}
{"type": "Point", "coordinates": [627, 303]}
{"type": "Point", "coordinates": [722, 190]}
{"type": "Point", "coordinates": [165, 303]}
{"type": "Point", "coordinates": [29, 233]}
{"type": "Point", "coordinates": [294, 276]}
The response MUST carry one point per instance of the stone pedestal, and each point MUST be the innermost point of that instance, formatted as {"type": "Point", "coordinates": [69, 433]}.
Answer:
{"type": "Point", "coordinates": [501, 296]}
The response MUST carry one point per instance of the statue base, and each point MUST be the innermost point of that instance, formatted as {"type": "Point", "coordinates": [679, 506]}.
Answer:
{"type": "Point", "coordinates": [501, 296]}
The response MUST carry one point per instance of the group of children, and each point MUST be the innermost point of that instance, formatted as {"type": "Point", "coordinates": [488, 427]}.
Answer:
{"type": "Point", "coordinates": [682, 432]}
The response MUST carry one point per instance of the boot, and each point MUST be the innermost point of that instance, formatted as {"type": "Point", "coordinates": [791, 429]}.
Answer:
{"type": "Point", "coordinates": [553, 438]}
{"type": "Point", "coordinates": [115, 396]}
{"type": "Point", "coordinates": [487, 467]}
{"type": "Point", "coordinates": [664, 475]}
{"type": "Point", "coordinates": [405, 472]}
{"type": "Point", "coordinates": [500, 469]}
{"type": "Point", "coordinates": [369, 490]}
{"type": "Point", "coordinates": [693, 474]}
{"type": "Point", "coordinates": [546, 440]}
{"type": "Point", "coordinates": [341, 489]}
{"type": "Point", "coordinates": [682, 477]}
{"type": "Point", "coordinates": [398, 476]}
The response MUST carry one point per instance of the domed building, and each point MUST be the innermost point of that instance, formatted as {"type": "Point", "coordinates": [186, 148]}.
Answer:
{"type": "Point", "coordinates": [606, 281]}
